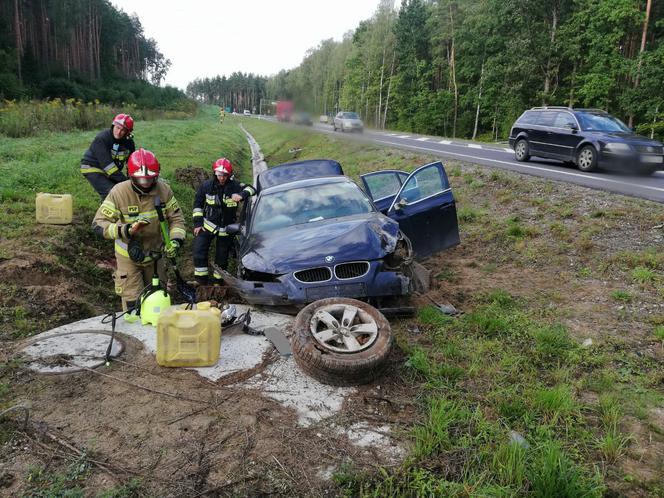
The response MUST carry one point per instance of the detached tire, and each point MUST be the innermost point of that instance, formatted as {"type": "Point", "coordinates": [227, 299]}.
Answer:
{"type": "Point", "coordinates": [341, 341]}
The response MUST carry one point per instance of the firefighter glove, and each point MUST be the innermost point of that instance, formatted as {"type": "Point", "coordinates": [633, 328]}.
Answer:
{"type": "Point", "coordinates": [172, 248]}
{"type": "Point", "coordinates": [135, 251]}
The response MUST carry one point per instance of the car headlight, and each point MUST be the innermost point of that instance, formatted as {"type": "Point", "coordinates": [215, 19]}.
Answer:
{"type": "Point", "coordinates": [618, 147]}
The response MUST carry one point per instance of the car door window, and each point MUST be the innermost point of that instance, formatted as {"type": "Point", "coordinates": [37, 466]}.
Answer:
{"type": "Point", "coordinates": [425, 183]}
{"type": "Point", "coordinates": [564, 120]}
{"type": "Point", "coordinates": [382, 184]}
{"type": "Point", "coordinates": [546, 118]}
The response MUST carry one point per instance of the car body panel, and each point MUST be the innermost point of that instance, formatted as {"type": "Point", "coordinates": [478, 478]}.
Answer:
{"type": "Point", "coordinates": [335, 254]}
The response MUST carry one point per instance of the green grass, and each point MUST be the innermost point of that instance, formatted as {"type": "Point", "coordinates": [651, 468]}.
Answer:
{"type": "Point", "coordinates": [643, 275]}
{"type": "Point", "coordinates": [621, 295]}
{"type": "Point", "coordinates": [511, 362]}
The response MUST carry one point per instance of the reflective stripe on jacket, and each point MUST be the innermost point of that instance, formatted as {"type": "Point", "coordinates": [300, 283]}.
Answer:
{"type": "Point", "coordinates": [124, 205]}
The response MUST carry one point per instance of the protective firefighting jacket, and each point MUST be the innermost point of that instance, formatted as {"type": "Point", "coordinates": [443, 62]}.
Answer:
{"type": "Point", "coordinates": [125, 204]}
{"type": "Point", "coordinates": [107, 155]}
{"type": "Point", "coordinates": [214, 208]}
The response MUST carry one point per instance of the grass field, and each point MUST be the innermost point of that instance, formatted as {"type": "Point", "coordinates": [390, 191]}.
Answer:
{"type": "Point", "coordinates": [551, 383]}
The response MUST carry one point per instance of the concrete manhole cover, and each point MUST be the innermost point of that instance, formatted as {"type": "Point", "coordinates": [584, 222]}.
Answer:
{"type": "Point", "coordinates": [70, 351]}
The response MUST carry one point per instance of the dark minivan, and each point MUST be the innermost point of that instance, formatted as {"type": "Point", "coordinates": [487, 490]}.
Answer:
{"type": "Point", "coordinates": [587, 138]}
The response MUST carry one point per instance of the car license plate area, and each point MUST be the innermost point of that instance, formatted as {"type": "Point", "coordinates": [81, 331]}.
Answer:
{"type": "Point", "coordinates": [339, 290]}
{"type": "Point", "coordinates": [652, 159]}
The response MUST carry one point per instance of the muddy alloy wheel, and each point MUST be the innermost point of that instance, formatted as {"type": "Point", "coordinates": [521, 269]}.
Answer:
{"type": "Point", "coordinates": [522, 150]}
{"type": "Point", "coordinates": [341, 341]}
{"type": "Point", "coordinates": [587, 159]}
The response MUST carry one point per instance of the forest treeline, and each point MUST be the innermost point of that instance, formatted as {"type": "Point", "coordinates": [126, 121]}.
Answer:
{"type": "Point", "coordinates": [81, 49]}
{"type": "Point", "coordinates": [239, 91]}
{"type": "Point", "coordinates": [469, 67]}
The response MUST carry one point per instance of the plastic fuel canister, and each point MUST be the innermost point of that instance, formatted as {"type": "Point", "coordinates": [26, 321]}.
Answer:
{"type": "Point", "coordinates": [189, 338]}
{"type": "Point", "coordinates": [54, 209]}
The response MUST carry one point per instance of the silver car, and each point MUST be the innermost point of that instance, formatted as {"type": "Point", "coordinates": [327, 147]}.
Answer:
{"type": "Point", "coordinates": [348, 121]}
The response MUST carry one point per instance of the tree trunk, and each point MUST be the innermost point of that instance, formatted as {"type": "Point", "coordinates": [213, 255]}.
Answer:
{"type": "Point", "coordinates": [389, 88]}
{"type": "Point", "coordinates": [644, 34]}
{"type": "Point", "coordinates": [380, 90]}
{"type": "Point", "coordinates": [19, 41]}
{"type": "Point", "coordinates": [479, 102]}
{"type": "Point", "coordinates": [453, 74]}
{"type": "Point", "coordinates": [552, 40]}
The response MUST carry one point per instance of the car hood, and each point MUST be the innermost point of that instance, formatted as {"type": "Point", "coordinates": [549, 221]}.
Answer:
{"type": "Point", "coordinates": [628, 138]}
{"type": "Point", "coordinates": [355, 238]}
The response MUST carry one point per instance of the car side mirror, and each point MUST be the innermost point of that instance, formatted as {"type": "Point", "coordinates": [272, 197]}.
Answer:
{"type": "Point", "coordinates": [233, 228]}
{"type": "Point", "coordinates": [572, 127]}
{"type": "Point", "coordinates": [401, 204]}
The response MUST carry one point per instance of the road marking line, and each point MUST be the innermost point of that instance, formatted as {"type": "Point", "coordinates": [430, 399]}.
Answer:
{"type": "Point", "coordinates": [446, 142]}
{"type": "Point", "coordinates": [423, 139]}
{"type": "Point", "coordinates": [521, 165]}
{"type": "Point", "coordinates": [403, 136]}
{"type": "Point", "coordinates": [474, 146]}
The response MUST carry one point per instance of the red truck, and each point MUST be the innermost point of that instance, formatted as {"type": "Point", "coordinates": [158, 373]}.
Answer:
{"type": "Point", "coordinates": [284, 110]}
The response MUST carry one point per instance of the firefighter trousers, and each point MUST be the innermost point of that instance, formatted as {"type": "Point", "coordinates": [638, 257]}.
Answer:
{"type": "Point", "coordinates": [131, 278]}
{"type": "Point", "coordinates": [201, 247]}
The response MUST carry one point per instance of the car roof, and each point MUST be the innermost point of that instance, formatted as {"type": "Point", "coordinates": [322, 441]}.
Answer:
{"type": "Point", "coordinates": [299, 170]}
{"type": "Point", "coordinates": [309, 182]}
{"type": "Point", "coordinates": [570, 109]}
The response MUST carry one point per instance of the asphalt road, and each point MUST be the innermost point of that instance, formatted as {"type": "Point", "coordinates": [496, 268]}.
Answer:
{"type": "Point", "coordinates": [497, 156]}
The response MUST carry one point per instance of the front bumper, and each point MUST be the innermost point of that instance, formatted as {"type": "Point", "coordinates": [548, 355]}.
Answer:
{"type": "Point", "coordinates": [287, 290]}
{"type": "Point", "coordinates": [632, 162]}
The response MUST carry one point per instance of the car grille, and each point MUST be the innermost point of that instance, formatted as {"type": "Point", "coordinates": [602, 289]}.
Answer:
{"type": "Point", "coordinates": [321, 274]}
{"type": "Point", "coordinates": [356, 269]}
{"type": "Point", "coordinates": [649, 149]}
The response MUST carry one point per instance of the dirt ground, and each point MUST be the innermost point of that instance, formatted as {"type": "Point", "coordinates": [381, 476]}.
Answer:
{"type": "Point", "coordinates": [183, 435]}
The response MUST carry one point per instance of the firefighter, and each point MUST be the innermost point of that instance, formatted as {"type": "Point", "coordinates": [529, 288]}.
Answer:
{"type": "Point", "coordinates": [128, 216]}
{"type": "Point", "coordinates": [103, 161]}
{"type": "Point", "coordinates": [215, 207]}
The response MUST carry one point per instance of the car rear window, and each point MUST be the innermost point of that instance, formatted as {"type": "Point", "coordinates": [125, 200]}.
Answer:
{"type": "Point", "coordinates": [528, 117]}
{"type": "Point", "coordinates": [309, 204]}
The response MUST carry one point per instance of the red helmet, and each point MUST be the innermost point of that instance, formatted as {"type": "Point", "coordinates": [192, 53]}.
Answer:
{"type": "Point", "coordinates": [222, 167]}
{"type": "Point", "coordinates": [124, 120]}
{"type": "Point", "coordinates": [143, 168]}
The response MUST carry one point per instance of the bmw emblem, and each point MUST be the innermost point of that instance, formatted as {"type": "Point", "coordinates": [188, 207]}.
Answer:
{"type": "Point", "coordinates": [329, 259]}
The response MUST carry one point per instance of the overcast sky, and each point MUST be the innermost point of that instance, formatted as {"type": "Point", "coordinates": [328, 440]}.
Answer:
{"type": "Point", "coordinates": [210, 37]}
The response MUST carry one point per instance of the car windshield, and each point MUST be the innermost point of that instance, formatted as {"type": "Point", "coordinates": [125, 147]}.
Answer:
{"type": "Point", "coordinates": [350, 115]}
{"type": "Point", "coordinates": [601, 122]}
{"type": "Point", "coordinates": [308, 205]}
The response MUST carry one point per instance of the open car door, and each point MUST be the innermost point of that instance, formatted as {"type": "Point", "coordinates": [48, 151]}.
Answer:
{"type": "Point", "coordinates": [422, 204]}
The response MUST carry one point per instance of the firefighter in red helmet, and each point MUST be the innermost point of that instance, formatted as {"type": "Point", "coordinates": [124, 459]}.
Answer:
{"type": "Point", "coordinates": [128, 216]}
{"type": "Point", "coordinates": [215, 207]}
{"type": "Point", "coordinates": [102, 163]}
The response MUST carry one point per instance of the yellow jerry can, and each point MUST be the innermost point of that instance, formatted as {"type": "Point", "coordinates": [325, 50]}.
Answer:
{"type": "Point", "coordinates": [189, 338]}
{"type": "Point", "coordinates": [54, 209]}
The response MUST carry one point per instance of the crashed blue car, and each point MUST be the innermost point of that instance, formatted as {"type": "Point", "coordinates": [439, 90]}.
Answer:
{"type": "Point", "coordinates": [313, 233]}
